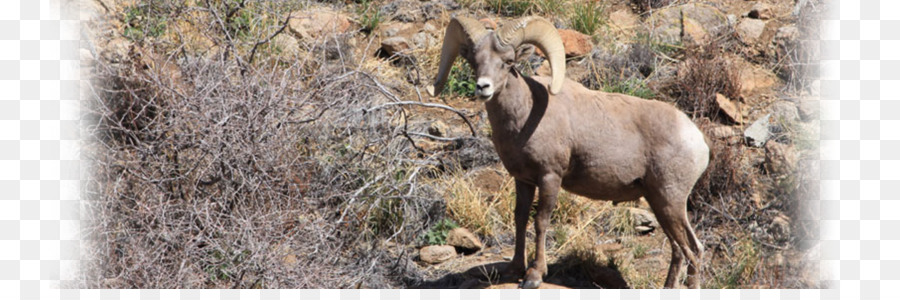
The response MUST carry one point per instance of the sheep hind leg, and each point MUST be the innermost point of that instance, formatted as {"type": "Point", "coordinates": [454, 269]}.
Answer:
{"type": "Point", "coordinates": [671, 212]}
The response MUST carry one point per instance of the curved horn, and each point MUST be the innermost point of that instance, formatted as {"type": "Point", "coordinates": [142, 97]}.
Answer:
{"type": "Point", "coordinates": [461, 31]}
{"type": "Point", "coordinates": [541, 33]}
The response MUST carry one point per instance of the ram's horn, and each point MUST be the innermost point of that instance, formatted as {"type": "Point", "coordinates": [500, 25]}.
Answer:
{"type": "Point", "coordinates": [461, 32]}
{"type": "Point", "coordinates": [541, 33]}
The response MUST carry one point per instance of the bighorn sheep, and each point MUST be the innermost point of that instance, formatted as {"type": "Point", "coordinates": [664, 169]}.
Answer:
{"type": "Point", "coordinates": [594, 144]}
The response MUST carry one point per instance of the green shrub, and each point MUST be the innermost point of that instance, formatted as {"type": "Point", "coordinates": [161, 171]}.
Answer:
{"type": "Point", "coordinates": [437, 235]}
{"type": "Point", "coordinates": [142, 21]}
{"type": "Point", "coordinates": [631, 86]}
{"type": "Point", "coordinates": [510, 8]}
{"type": "Point", "coordinates": [369, 16]}
{"type": "Point", "coordinates": [587, 17]}
{"type": "Point", "coordinates": [461, 80]}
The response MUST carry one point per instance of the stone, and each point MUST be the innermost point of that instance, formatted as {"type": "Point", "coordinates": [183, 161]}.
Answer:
{"type": "Point", "coordinates": [668, 24]}
{"type": "Point", "coordinates": [784, 111]}
{"type": "Point", "coordinates": [623, 19]}
{"type": "Point", "coordinates": [693, 32]}
{"type": "Point", "coordinates": [785, 39]}
{"type": "Point", "coordinates": [464, 240]}
{"type": "Point", "coordinates": [315, 24]}
{"type": "Point", "coordinates": [436, 254]}
{"type": "Point", "coordinates": [395, 45]}
{"type": "Point", "coordinates": [753, 78]}
{"type": "Point", "coordinates": [758, 133]}
{"type": "Point", "coordinates": [286, 44]}
{"type": "Point", "coordinates": [642, 217]}
{"type": "Point", "coordinates": [761, 11]}
{"type": "Point", "coordinates": [576, 43]}
{"type": "Point", "coordinates": [749, 30]}
{"type": "Point", "coordinates": [780, 158]}
{"type": "Point", "coordinates": [722, 132]}
{"type": "Point", "coordinates": [730, 108]}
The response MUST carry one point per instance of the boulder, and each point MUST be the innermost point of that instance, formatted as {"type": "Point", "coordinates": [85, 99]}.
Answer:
{"type": "Point", "coordinates": [464, 240]}
{"type": "Point", "coordinates": [749, 30]}
{"type": "Point", "coordinates": [315, 24]}
{"type": "Point", "coordinates": [436, 254]}
{"type": "Point", "coordinates": [785, 39]}
{"type": "Point", "coordinates": [668, 24]}
{"type": "Point", "coordinates": [576, 43]}
{"type": "Point", "coordinates": [761, 11]}
{"type": "Point", "coordinates": [439, 128]}
{"type": "Point", "coordinates": [623, 19]}
{"type": "Point", "coordinates": [693, 32]}
{"type": "Point", "coordinates": [286, 44]}
{"type": "Point", "coordinates": [808, 109]}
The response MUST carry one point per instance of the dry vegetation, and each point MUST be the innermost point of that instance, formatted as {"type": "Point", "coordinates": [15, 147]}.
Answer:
{"type": "Point", "coordinates": [229, 152]}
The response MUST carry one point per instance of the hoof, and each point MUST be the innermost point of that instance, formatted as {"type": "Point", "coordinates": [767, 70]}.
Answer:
{"type": "Point", "coordinates": [532, 280]}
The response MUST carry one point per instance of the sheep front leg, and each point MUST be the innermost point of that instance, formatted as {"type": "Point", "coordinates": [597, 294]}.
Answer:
{"type": "Point", "coordinates": [549, 188]}
{"type": "Point", "coordinates": [524, 198]}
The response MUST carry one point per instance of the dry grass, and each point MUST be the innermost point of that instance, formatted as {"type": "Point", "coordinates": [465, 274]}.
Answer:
{"type": "Point", "coordinates": [292, 170]}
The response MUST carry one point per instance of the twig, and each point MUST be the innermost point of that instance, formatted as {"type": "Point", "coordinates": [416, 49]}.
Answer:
{"type": "Point", "coordinates": [438, 138]}
{"type": "Point", "coordinates": [430, 105]}
{"type": "Point", "coordinates": [277, 32]}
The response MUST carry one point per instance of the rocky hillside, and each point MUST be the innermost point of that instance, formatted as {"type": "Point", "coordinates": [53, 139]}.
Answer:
{"type": "Point", "coordinates": [290, 144]}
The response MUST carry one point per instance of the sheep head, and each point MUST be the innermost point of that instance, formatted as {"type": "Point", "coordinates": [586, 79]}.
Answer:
{"type": "Point", "coordinates": [492, 54]}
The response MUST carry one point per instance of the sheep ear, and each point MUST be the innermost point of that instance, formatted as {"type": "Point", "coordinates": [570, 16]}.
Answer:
{"type": "Point", "coordinates": [524, 51]}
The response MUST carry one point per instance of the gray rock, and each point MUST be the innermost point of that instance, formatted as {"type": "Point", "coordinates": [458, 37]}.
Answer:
{"type": "Point", "coordinates": [784, 111]}
{"type": "Point", "coordinates": [749, 30]}
{"type": "Point", "coordinates": [437, 253]}
{"type": "Point", "coordinates": [668, 23]}
{"type": "Point", "coordinates": [642, 217]}
{"type": "Point", "coordinates": [758, 132]}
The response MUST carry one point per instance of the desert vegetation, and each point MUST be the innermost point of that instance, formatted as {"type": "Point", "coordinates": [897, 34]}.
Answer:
{"type": "Point", "coordinates": [291, 144]}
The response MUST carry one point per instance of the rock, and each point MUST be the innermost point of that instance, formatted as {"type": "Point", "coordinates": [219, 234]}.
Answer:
{"type": "Point", "coordinates": [784, 111]}
{"type": "Point", "coordinates": [722, 132]}
{"type": "Point", "coordinates": [643, 229]}
{"type": "Point", "coordinates": [489, 23]}
{"type": "Point", "coordinates": [754, 78]}
{"type": "Point", "coordinates": [749, 30]}
{"type": "Point", "coordinates": [785, 39]}
{"type": "Point", "coordinates": [576, 43]}
{"type": "Point", "coordinates": [780, 158]}
{"type": "Point", "coordinates": [394, 45]}
{"type": "Point", "coordinates": [286, 44]}
{"type": "Point", "coordinates": [463, 239]}
{"type": "Point", "coordinates": [761, 11]}
{"type": "Point", "coordinates": [669, 24]}
{"type": "Point", "coordinates": [693, 32]}
{"type": "Point", "coordinates": [758, 132]}
{"type": "Point", "coordinates": [623, 19]}
{"type": "Point", "coordinates": [314, 24]}
{"type": "Point", "coordinates": [642, 217]}
{"type": "Point", "coordinates": [512, 286]}
{"type": "Point", "coordinates": [439, 128]}
{"type": "Point", "coordinates": [436, 254]}
{"type": "Point", "coordinates": [730, 108]}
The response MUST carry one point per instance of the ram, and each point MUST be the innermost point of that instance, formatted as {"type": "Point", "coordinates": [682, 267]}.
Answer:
{"type": "Point", "coordinates": [594, 144]}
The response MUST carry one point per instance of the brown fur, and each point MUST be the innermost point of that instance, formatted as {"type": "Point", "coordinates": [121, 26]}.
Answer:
{"type": "Point", "coordinates": [595, 144]}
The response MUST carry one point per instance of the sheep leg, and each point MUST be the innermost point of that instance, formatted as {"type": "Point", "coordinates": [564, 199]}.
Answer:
{"type": "Point", "coordinates": [672, 217]}
{"type": "Point", "coordinates": [524, 198]}
{"type": "Point", "coordinates": [549, 188]}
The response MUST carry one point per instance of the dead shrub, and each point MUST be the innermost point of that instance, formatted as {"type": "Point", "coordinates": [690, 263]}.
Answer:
{"type": "Point", "coordinates": [703, 73]}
